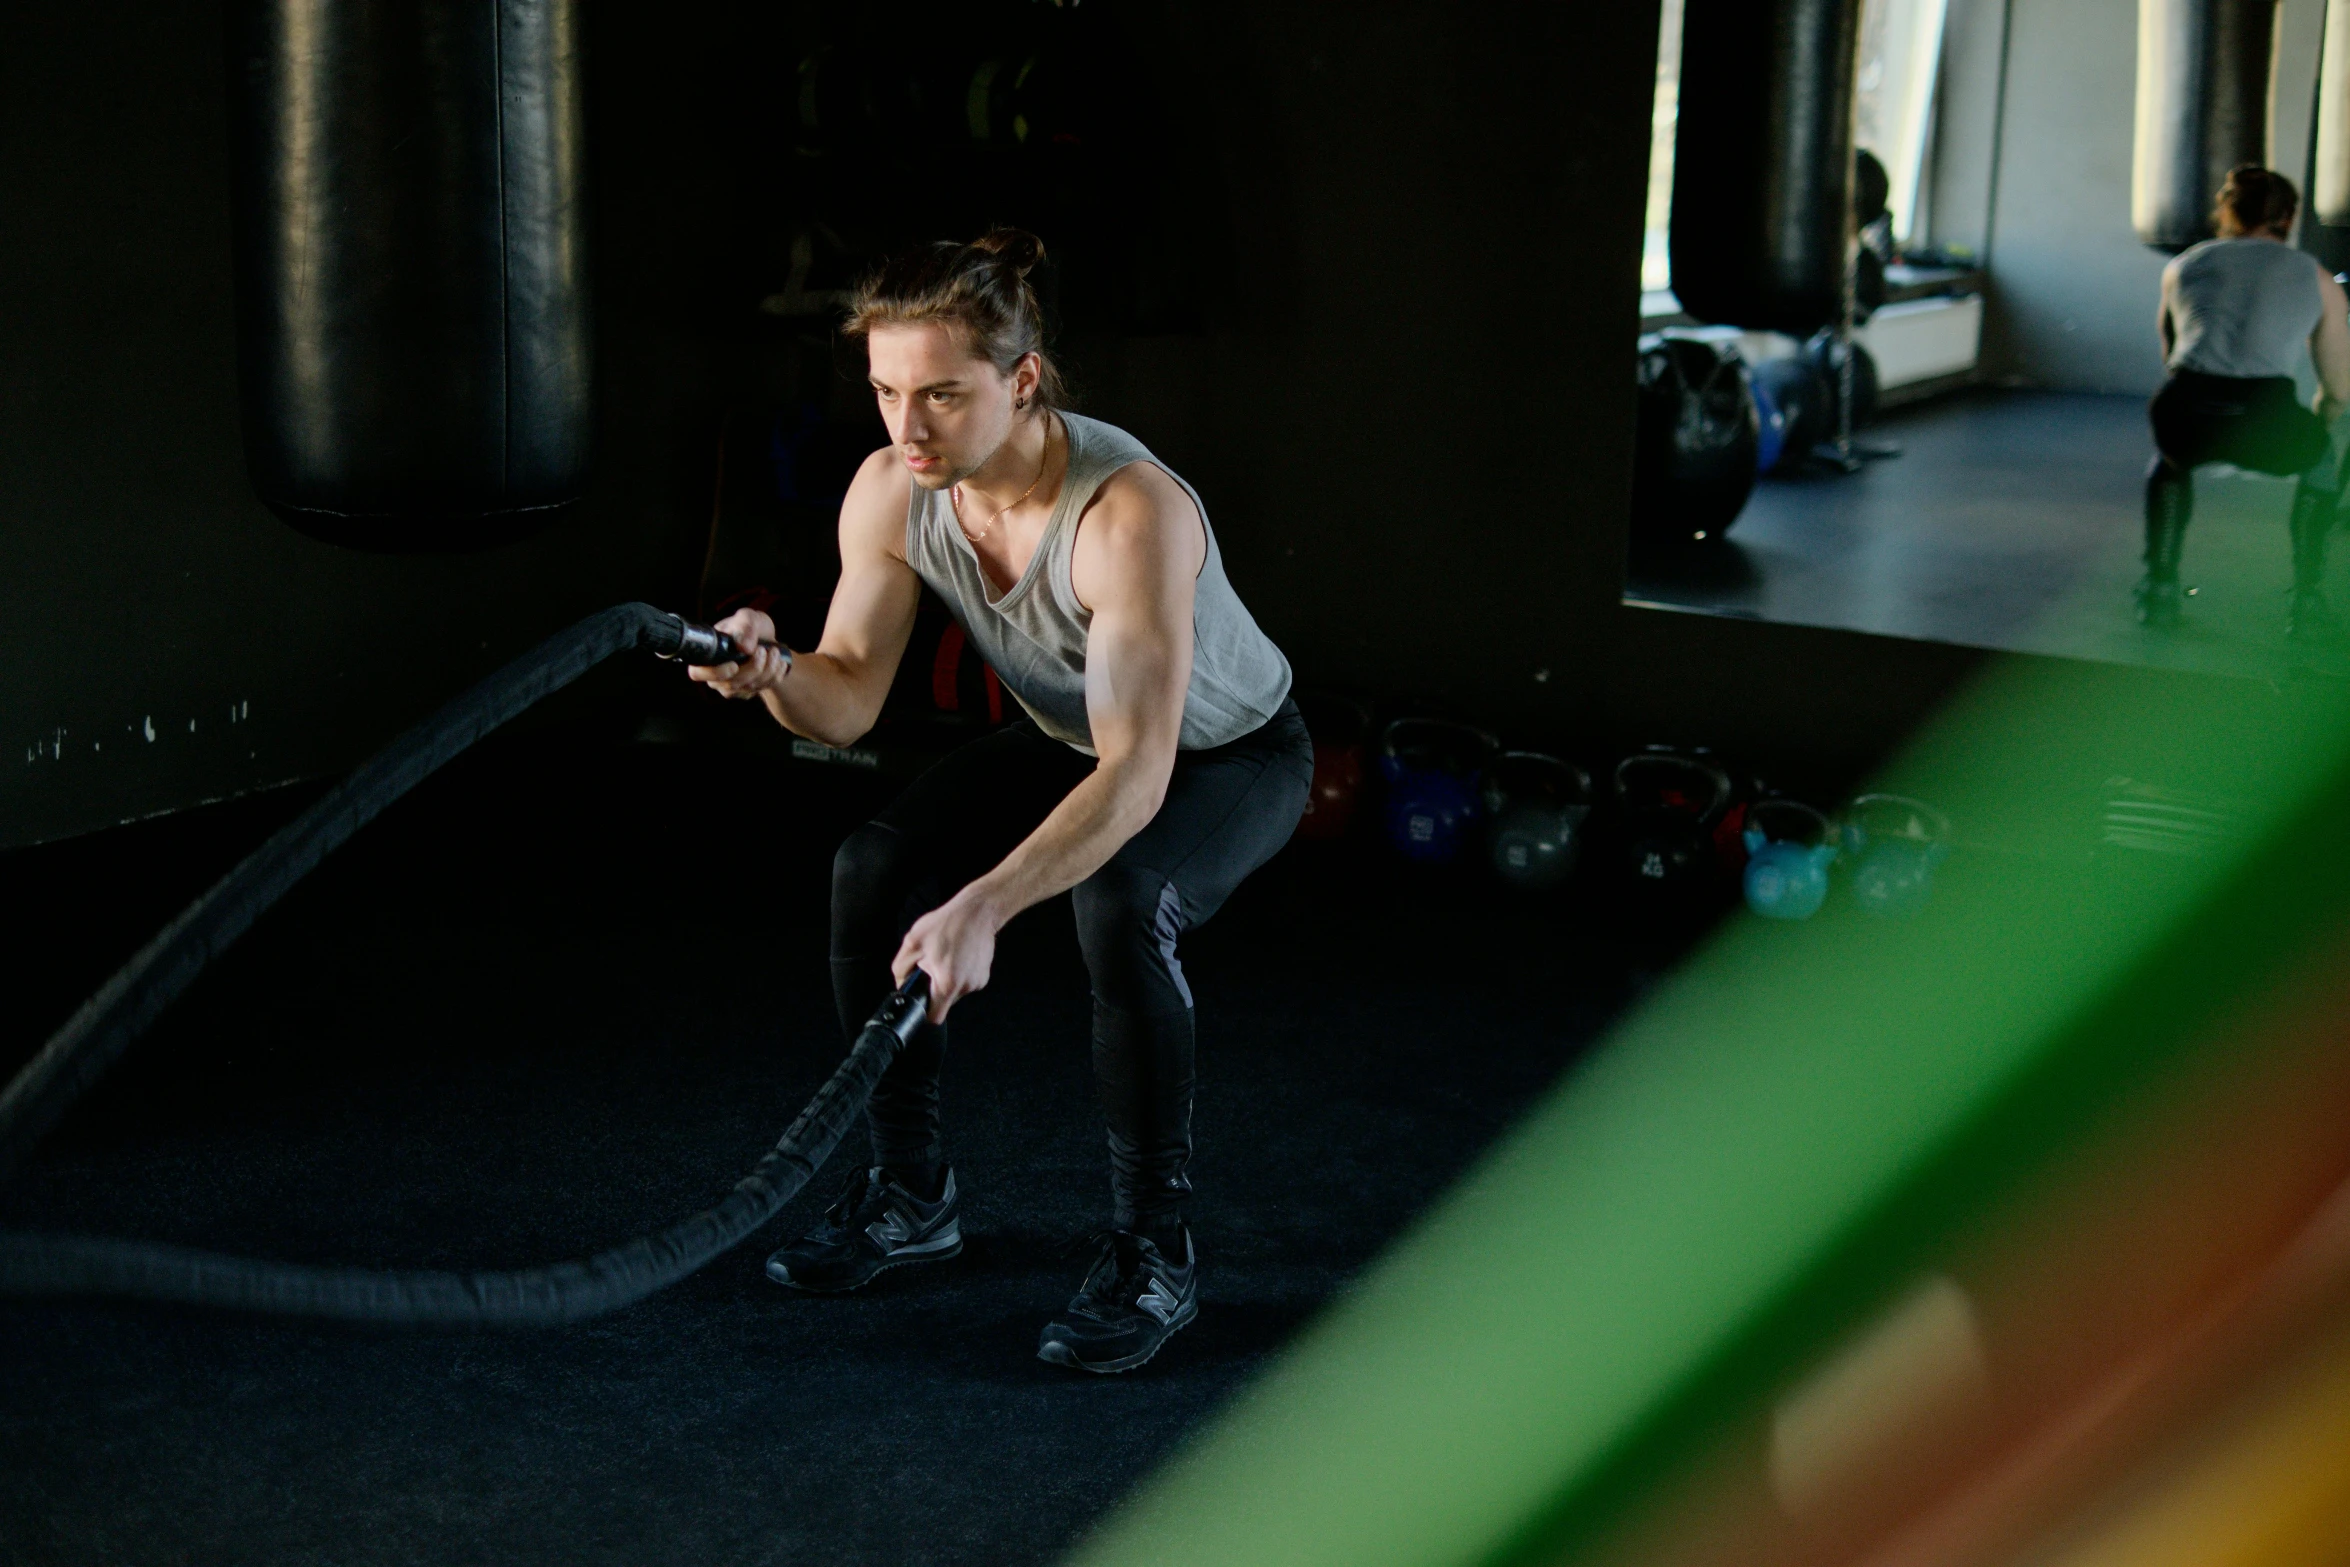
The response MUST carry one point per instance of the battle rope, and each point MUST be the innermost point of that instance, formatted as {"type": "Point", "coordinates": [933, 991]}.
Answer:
{"type": "Point", "coordinates": [78, 1053]}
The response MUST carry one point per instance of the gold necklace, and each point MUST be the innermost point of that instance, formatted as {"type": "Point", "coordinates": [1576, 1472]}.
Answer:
{"type": "Point", "coordinates": [1042, 463]}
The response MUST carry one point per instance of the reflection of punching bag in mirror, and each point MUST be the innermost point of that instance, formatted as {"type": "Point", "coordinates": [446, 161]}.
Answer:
{"type": "Point", "coordinates": [1762, 162]}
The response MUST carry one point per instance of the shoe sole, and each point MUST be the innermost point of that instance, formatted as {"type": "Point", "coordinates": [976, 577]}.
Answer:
{"type": "Point", "coordinates": [782, 1275]}
{"type": "Point", "coordinates": [1060, 1354]}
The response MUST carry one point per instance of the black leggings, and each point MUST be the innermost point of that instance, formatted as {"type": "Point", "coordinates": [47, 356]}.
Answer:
{"type": "Point", "coordinates": [2253, 423]}
{"type": "Point", "coordinates": [2257, 424]}
{"type": "Point", "coordinates": [1226, 812]}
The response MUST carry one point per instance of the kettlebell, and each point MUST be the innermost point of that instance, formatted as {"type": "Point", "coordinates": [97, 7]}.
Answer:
{"type": "Point", "coordinates": [1339, 726]}
{"type": "Point", "coordinates": [1670, 802]}
{"type": "Point", "coordinates": [1789, 847]}
{"type": "Point", "coordinates": [1896, 843]}
{"type": "Point", "coordinates": [1433, 770]}
{"type": "Point", "coordinates": [1537, 805]}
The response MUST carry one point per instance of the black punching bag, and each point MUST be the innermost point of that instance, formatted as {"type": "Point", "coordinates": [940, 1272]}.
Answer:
{"type": "Point", "coordinates": [2203, 69]}
{"type": "Point", "coordinates": [411, 265]}
{"type": "Point", "coordinates": [1762, 161]}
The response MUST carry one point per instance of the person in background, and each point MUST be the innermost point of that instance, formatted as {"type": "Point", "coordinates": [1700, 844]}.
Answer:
{"type": "Point", "coordinates": [2237, 313]}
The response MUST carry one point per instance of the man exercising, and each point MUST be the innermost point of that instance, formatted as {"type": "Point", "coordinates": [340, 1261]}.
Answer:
{"type": "Point", "coordinates": [1160, 762]}
{"type": "Point", "coordinates": [2236, 312]}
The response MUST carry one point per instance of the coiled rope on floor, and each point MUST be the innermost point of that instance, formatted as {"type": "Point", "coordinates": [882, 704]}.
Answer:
{"type": "Point", "coordinates": [91, 1040]}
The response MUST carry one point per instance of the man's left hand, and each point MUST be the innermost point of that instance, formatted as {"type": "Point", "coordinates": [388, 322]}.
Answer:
{"type": "Point", "coordinates": [955, 945]}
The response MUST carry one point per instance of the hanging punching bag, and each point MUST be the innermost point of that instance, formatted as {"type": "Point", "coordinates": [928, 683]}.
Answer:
{"type": "Point", "coordinates": [411, 265]}
{"type": "Point", "coordinates": [2203, 72]}
{"type": "Point", "coordinates": [1762, 161]}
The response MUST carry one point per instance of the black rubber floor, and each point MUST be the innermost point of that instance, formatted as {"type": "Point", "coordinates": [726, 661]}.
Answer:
{"type": "Point", "coordinates": [557, 999]}
{"type": "Point", "coordinates": [2013, 520]}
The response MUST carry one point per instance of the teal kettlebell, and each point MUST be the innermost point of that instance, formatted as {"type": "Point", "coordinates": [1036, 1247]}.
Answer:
{"type": "Point", "coordinates": [1789, 847]}
{"type": "Point", "coordinates": [1896, 842]}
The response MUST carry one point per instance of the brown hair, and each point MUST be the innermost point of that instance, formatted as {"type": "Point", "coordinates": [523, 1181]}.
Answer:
{"type": "Point", "coordinates": [980, 289]}
{"type": "Point", "coordinates": [2254, 201]}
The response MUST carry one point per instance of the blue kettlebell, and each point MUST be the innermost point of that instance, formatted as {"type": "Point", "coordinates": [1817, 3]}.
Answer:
{"type": "Point", "coordinates": [1896, 842]}
{"type": "Point", "coordinates": [1538, 805]}
{"type": "Point", "coordinates": [1433, 770]}
{"type": "Point", "coordinates": [1789, 847]}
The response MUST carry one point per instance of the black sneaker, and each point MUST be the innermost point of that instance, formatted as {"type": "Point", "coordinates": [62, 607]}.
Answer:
{"type": "Point", "coordinates": [1130, 1304]}
{"type": "Point", "coordinates": [877, 1224]}
{"type": "Point", "coordinates": [2158, 603]}
{"type": "Point", "coordinates": [2312, 619]}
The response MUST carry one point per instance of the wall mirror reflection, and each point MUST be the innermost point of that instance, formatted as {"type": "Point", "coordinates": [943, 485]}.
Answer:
{"type": "Point", "coordinates": [1914, 270]}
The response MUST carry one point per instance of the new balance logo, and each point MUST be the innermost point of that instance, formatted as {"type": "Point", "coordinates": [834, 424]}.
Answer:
{"type": "Point", "coordinates": [890, 1230]}
{"type": "Point", "coordinates": [1159, 1301]}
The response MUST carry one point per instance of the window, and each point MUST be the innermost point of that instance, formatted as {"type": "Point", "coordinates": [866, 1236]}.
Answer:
{"type": "Point", "coordinates": [1893, 117]}
{"type": "Point", "coordinates": [1656, 268]}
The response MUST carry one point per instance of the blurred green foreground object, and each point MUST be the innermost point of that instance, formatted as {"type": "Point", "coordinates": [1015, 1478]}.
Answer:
{"type": "Point", "coordinates": [1788, 1136]}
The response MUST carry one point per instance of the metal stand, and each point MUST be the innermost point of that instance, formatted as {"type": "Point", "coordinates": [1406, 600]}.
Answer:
{"type": "Point", "coordinates": [1845, 453]}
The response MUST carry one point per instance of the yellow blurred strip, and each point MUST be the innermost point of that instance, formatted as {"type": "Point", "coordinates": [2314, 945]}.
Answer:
{"type": "Point", "coordinates": [2271, 1489]}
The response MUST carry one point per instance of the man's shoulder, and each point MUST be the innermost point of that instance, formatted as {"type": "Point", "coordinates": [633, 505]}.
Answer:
{"type": "Point", "coordinates": [1141, 494]}
{"type": "Point", "coordinates": [878, 500]}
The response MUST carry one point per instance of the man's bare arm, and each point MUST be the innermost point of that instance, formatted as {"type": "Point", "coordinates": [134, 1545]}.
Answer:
{"type": "Point", "coordinates": [2329, 349]}
{"type": "Point", "coordinates": [1141, 546]}
{"type": "Point", "coordinates": [834, 692]}
{"type": "Point", "coordinates": [2162, 320]}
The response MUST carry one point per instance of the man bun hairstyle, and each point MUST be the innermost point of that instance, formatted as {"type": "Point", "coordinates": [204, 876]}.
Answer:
{"type": "Point", "coordinates": [980, 290]}
{"type": "Point", "coordinates": [2254, 201]}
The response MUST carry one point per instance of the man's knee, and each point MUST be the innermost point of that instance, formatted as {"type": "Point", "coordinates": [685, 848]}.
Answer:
{"type": "Point", "coordinates": [871, 875]}
{"type": "Point", "coordinates": [1128, 920]}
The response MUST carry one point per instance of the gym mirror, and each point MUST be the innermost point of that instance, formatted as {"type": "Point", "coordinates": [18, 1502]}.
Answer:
{"type": "Point", "coordinates": [1980, 198]}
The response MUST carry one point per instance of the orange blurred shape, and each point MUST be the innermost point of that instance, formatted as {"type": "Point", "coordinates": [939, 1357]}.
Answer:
{"type": "Point", "coordinates": [2067, 1346]}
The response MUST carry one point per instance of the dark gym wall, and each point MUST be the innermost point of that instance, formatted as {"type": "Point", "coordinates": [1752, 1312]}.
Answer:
{"type": "Point", "coordinates": [1408, 406]}
{"type": "Point", "coordinates": [1410, 427]}
{"type": "Point", "coordinates": [163, 639]}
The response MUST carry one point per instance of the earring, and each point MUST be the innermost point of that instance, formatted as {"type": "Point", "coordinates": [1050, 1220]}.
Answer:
{"type": "Point", "coordinates": [1019, 403]}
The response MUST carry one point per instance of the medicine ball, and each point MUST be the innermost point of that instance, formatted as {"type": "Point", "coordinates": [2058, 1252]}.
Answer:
{"type": "Point", "coordinates": [1770, 424]}
{"type": "Point", "coordinates": [1537, 805]}
{"type": "Point", "coordinates": [1803, 403]}
{"type": "Point", "coordinates": [1826, 352]}
{"type": "Point", "coordinates": [1693, 452]}
{"type": "Point", "coordinates": [1434, 772]}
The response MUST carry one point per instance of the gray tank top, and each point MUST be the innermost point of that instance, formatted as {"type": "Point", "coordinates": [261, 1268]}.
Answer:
{"type": "Point", "coordinates": [1034, 636]}
{"type": "Point", "coordinates": [2243, 307]}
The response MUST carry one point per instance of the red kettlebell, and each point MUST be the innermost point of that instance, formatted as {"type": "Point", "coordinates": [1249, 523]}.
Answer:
{"type": "Point", "coordinates": [1340, 727]}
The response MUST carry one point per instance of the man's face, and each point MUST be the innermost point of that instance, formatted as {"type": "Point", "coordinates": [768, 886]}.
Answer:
{"type": "Point", "coordinates": [947, 409]}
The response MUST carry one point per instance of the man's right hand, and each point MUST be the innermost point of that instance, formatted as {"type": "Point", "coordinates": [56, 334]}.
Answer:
{"type": "Point", "coordinates": [753, 674]}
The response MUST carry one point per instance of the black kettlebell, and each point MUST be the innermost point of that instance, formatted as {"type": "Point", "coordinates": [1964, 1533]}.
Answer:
{"type": "Point", "coordinates": [1538, 805]}
{"type": "Point", "coordinates": [1670, 803]}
